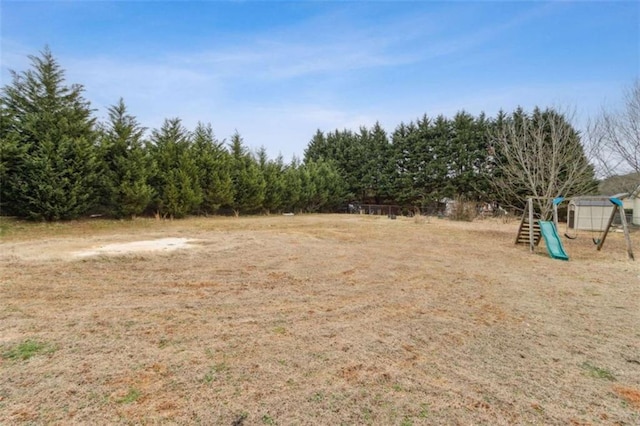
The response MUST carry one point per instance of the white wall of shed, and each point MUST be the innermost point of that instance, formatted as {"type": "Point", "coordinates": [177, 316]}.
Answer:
{"type": "Point", "coordinates": [592, 218]}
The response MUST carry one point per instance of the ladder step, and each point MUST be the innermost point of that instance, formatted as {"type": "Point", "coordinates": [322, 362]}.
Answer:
{"type": "Point", "coordinates": [523, 234]}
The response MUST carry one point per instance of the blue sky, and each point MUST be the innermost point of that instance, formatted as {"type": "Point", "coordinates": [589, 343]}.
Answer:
{"type": "Point", "coordinates": [276, 71]}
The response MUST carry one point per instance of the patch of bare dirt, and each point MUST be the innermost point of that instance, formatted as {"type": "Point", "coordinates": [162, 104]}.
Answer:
{"type": "Point", "coordinates": [162, 244]}
{"type": "Point", "coordinates": [316, 320]}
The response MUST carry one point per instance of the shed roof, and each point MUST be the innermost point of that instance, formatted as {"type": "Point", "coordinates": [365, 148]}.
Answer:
{"type": "Point", "coordinates": [603, 202]}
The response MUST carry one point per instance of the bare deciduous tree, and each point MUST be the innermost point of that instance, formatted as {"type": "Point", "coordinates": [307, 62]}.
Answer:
{"type": "Point", "coordinates": [539, 155]}
{"type": "Point", "coordinates": [615, 139]}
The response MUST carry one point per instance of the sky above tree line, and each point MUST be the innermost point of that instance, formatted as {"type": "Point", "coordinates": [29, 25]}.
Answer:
{"type": "Point", "coordinates": [276, 71]}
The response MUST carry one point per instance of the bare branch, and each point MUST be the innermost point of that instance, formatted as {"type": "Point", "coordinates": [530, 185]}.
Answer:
{"type": "Point", "coordinates": [615, 136]}
{"type": "Point", "coordinates": [540, 155]}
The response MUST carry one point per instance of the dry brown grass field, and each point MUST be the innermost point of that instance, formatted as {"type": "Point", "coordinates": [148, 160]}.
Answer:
{"type": "Point", "coordinates": [319, 319]}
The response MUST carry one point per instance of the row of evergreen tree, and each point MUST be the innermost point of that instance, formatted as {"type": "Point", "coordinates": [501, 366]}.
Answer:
{"type": "Point", "coordinates": [58, 162]}
{"type": "Point", "coordinates": [427, 160]}
{"type": "Point", "coordinates": [421, 163]}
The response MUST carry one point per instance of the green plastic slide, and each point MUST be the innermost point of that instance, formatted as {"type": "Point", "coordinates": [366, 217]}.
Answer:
{"type": "Point", "coordinates": [552, 240]}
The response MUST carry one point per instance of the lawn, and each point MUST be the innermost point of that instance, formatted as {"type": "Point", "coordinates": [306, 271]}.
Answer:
{"type": "Point", "coordinates": [315, 319]}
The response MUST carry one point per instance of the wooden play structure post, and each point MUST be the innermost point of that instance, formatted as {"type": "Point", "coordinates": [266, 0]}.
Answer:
{"type": "Point", "coordinates": [618, 208]}
{"type": "Point", "coordinates": [556, 201]}
{"type": "Point", "coordinates": [529, 230]}
{"type": "Point", "coordinates": [531, 236]}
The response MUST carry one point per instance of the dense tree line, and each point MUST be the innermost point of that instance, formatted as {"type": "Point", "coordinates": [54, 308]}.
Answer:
{"type": "Point", "coordinates": [58, 162]}
{"type": "Point", "coordinates": [503, 159]}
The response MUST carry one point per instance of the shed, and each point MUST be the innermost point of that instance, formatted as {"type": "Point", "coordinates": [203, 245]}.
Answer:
{"type": "Point", "coordinates": [633, 202]}
{"type": "Point", "coordinates": [589, 213]}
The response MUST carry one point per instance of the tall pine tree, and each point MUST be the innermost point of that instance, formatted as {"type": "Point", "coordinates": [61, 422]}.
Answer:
{"type": "Point", "coordinates": [213, 164]}
{"type": "Point", "coordinates": [248, 181]}
{"type": "Point", "coordinates": [273, 174]}
{"type": "Point", "coordinates": [49, 167]}
{"type": "Point", "coordinates": [175, 178]}
{"type": "Point", "coordinates": [126, 166]}
{"type": "Point", "coordinates": [292, 193]}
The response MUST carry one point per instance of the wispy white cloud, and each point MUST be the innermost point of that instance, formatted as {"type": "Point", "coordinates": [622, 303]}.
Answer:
{"type": "Point", "coordinates": [285, 56]}
{"type": "Point", "coordinates": [330, 45]}
{"type": "Point", "coordinates": [328, 71]}
{"type": "Point", "coordinates": [110, 77]}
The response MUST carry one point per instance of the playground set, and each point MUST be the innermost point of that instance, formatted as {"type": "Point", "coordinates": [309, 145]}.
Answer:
{"type": "Point", "coordinates": [533, 228]}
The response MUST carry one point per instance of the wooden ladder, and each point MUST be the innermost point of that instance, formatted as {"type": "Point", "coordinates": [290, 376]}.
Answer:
{"type": "Point", "coordinates": [523, 230]}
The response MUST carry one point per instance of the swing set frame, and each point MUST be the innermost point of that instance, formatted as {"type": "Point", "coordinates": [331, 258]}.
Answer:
{"type": "Point", "coordinates": [530, 232]}
{"type": "Point", "coordinates": [618, 208]}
